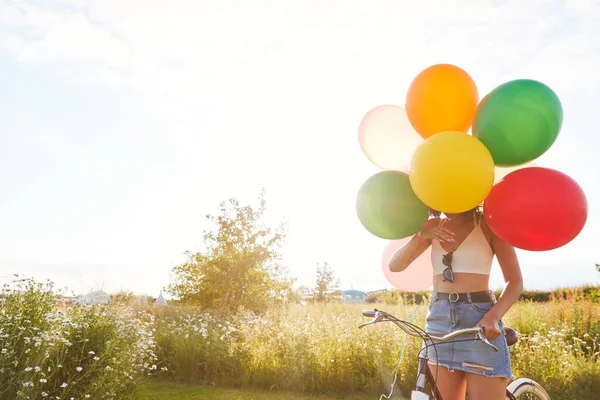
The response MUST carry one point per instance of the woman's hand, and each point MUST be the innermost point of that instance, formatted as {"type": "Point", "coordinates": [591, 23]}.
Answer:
{"type": "Point", "coordinates": [490, 326]}
{"type": "Point", "coordinates": [438, 233]}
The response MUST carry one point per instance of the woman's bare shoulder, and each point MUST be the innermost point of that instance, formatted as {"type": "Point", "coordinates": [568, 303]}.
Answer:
{"type": "Point", "coordinates": [487, 232]}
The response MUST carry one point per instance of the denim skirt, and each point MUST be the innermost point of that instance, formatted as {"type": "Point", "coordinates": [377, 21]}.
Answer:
{"type": "Point", "coordinates": [468, 354]}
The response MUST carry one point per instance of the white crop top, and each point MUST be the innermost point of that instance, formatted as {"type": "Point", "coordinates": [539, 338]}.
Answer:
{"type": "Point", "coordinates": [474, 254]}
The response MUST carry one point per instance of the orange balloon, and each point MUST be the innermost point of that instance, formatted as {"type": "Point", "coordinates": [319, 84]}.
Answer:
{"type": "Point", "coordinates": [387, 138]}
{"type": "Point", "coordinates": [419, 274]}
{"type": "Point", "coordinates": [441, 98]}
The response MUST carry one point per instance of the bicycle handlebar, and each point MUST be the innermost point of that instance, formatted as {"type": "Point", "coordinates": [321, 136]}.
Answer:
{"type": "Point", "coordinates": [379, 316]}
{"type": "Point", "coordinates": [369, 313]}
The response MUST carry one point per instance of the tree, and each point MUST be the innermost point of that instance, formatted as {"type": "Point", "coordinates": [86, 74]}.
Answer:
{"type": "Point", "coordinates": [598, 268]}
{"type": "Point", "coordinates": [241, 265]}
{"type": "Point", "coordinates": [325, 281]}
{"type": "Point", "coordinates": [122, 298]}
{"type": "Point", "coordinates": [300, 294]}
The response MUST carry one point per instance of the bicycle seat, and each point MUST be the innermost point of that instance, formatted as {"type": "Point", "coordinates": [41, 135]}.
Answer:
{"type": "Point", "coordinates": [511, 336]}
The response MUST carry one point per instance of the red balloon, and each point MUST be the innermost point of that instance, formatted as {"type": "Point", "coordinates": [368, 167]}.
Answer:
{"type": "Point", "coordinates": [536, 209]}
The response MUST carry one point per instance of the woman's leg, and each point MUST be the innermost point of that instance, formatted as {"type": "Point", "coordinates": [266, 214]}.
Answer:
{"type": "Point", "coordinates": [452, 385]}
{"type": "Point", "coordinates": [480, 387]}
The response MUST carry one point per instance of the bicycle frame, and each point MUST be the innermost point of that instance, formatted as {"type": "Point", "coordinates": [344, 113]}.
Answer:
{"type": "Point", "coordinates": [424, 374]}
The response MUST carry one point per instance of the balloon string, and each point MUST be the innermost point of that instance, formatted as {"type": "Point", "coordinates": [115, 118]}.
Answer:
{"type": "Point", "coordinates": [397, 369]}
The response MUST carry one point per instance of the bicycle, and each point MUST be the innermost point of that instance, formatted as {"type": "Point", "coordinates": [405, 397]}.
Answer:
{"type": "Point", "coordinates": [519, 389]}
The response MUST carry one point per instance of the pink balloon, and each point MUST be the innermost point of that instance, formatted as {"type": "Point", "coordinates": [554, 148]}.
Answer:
{"type": "Point", "coordinates": [417, 277]}
{"type": "Point", "coordinates": [387, 138]}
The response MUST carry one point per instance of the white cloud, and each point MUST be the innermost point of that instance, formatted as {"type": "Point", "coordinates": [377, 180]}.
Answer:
{"type": "Point", "coordinates": [296, 73]}
{"type": "Point", "coordinates": [305, 69]}
{"type": "Point", "coordinates": [176, 45]}
{"type": "Point", "coordinates": [226, 82]}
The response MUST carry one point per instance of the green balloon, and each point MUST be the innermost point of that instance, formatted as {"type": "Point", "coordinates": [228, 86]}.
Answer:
{"type": "Point", "coordinates": [388, 207]}
{"type": "Point", "coordinates": [518, 121]}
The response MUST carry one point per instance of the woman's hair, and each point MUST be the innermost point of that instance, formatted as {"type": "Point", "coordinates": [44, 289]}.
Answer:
{"type": "Point", "coordinates": [477, 211]}
{"type": "Point", "coordinates": [435, 213]}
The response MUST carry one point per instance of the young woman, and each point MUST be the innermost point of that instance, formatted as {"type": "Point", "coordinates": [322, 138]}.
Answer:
{"type": "Point", "coordinates": [463, 248]}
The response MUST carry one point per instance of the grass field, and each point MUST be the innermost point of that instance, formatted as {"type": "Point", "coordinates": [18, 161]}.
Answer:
{"type": "Point", "coordinates": [177, 391]}
{"type": "Point", "coordinates": [318, 348]}
{"type": "Point", "coordinates": [292, 352]}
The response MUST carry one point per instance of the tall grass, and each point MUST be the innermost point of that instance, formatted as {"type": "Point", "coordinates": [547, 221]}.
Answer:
{"type": "Point", "coordinates": [559, 345]}
{"type": "Point", "coordinates": [318, 348]}
{"type": "Point", "coordinates": [100, 352]}
{"type": "Point", "coordinates": [51, 352]}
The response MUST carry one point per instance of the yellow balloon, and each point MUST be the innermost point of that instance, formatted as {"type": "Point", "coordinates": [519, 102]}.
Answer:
{"type": "Point", "coordinates": [452, 172]}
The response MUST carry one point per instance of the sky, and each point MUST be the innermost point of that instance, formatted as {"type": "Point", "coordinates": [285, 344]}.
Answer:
{"type": "Point", "coordinates": [125, 122]}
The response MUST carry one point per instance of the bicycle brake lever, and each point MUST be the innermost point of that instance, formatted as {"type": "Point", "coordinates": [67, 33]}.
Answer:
{"type": "Point", "coordinates": [365, 324]}
{"type": "Point", "coordinates": [375, 319]}
{"type": "Point", "coordinates": [484, 340]}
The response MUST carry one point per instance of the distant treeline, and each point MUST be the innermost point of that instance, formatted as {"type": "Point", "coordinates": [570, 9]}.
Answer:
{"type": "Point", "coordinates": [584, 292]}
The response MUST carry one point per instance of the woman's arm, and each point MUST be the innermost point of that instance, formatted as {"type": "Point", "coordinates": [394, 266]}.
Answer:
{"type": "Point", "coordinates": [408, 253]}
{"type": "Point", "coordinates": [507, 258]}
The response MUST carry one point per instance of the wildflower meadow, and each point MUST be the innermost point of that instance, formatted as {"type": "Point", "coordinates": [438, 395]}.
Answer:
{"type": "Point", "coordinates": [319, 349]}
{"type": "Point", "coordinates": [86, 352]}
{"type": "Point", "coordinates": [112, 351]}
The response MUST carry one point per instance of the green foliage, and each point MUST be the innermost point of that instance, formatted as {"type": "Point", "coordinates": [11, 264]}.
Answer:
{"type": "Point", "coordinates": [122, 298]}
{"type": "Point", "coordinates": [394, 297]}
{"type": "Point", "coordinates": [301, 294]}
{"type": "Point", "coordinates": [326, 282]}
{"type": "Point", "coordinates": [540, 296]}
{"type": "Point", "coordinates": [559, 345]}
{"type": "Point", "coordinates": [241, 266]}
{"type": "Point", "coordinates": [197, 347]}
{"type": "Point", "coordinates": [52, 352]}
{"type": "Point", "coordinates": [48, 351]}
{"type": "Point", "coordinates": [177, 391]}
{"type": "Point", "coordinates": [318, 348]}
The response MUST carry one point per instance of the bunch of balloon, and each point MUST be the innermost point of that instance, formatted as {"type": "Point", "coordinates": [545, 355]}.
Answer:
{"type": "Point", "coordinates": [431, 161]}
{"type": "Point", "coordinates": [534, 208]}
{"type": "Point", "coordinates": [386, 204]}
{"type": "Point", "coordinates": [451, 171]}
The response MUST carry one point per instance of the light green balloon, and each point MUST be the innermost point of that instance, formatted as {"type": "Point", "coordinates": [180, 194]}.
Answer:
{"type": "Point", "coordinates": [388, 207]}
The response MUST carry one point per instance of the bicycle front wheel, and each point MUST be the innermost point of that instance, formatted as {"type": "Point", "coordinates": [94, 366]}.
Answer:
{"type": "Point", "coordinates": [527, 389]}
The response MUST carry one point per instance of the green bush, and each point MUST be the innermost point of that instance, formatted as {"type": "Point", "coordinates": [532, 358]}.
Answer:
{"type": "Point", "coordinates": [196, 347]}
{"type": "Point", "coordinates": [47, 351]}
{"type": "Point", "coordinates": [395, 297]}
